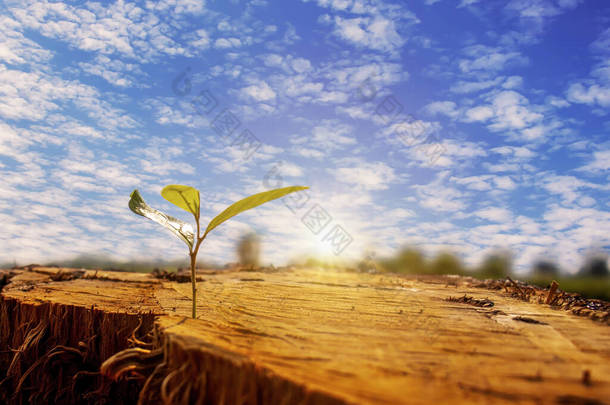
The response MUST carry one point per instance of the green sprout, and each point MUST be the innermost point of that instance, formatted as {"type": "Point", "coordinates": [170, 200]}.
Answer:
{"type": "Point", "coordinates": [187, 198]}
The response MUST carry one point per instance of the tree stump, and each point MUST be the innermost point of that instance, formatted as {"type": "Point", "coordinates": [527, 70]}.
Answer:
{"type": "Point", "coordinates": [295, 336]}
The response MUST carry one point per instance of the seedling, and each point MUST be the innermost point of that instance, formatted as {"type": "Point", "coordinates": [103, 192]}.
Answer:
{"type": "Point", "coordinates": [187, 198]}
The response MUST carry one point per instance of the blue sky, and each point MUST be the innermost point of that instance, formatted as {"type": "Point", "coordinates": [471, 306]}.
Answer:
{"type": "Point", "coordinates": [464, 125]}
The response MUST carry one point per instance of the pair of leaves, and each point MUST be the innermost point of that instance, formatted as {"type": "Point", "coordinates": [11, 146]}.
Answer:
{"type": "Point", "coordinates": [187, 198]}
{"type": "Point", "coordinates": [179, 228]}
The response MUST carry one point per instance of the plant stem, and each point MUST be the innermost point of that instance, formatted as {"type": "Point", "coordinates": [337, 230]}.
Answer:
{"type": "Point", "coordinates": [193, 282]}
{"type": "Point", "coordinates": [193, 253]}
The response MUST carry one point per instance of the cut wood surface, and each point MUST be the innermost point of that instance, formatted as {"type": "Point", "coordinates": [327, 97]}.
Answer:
{"type": "Point", "coordinates": [316, 336]}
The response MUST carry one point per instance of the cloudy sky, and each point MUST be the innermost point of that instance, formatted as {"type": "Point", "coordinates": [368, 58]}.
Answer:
{"type": "Point", "coordinates": [461, 125]}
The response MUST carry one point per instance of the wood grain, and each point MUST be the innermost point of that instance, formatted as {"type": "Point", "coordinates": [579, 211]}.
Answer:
{"type": "Point", "coordinates": [338, 337]}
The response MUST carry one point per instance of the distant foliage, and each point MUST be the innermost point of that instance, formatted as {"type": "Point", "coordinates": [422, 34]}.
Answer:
{"type": "Point", "coordinates": [545, 269]}
{"type": "Point", "coordinates": [411, 260]}
{"type": "Point", "coordinates": [446, 263]}
{"type": "Point", "coordinates": [408, 260]}
{"type": "Point", "coordinates": [495, 265]}
{"type": "Point", "coordinates": [592, 281]}
{"type": "Point", "coordinates": [368, 264]}
{"type": "Point", "coordinates": [248, 250]}
{"type": "Point", "coordinates": [595, 266]}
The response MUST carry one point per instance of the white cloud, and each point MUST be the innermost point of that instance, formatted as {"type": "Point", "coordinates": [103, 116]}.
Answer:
{"type": "Point", "coordinates": [486, 182]}
{"type": "Point", "coordinates": [494, 214]}
{"type": "Point", "coordinates": [513, 82]}
{"type": "Point", "coordinates": [502, 167]}
{"type": "Point", "coordinates": [437, 197]}
{"type": "Point", "coordinates": [518, 152]}
{"type": "Point", "coordinates": [508, 110]}
{"type": "Point", "coordinates": [200, 40]}
{"type": "Point", "coordinates": [557, 102]}
{"type": "Point", "coordinates": [358, 112]}
{"type": "Point", "coordinates": [602, 43]}
{"type": "Point", "coordinates": [568, 187]}
{"type": "Point", "coordinates": [260, 91]}
{"type": "Point", "coordinates": [289, 169]}
{"type": "Point", "coordinates": [593, 94]}
{"type": "Point", "coordinates": [484, 58]}
{"type": "Point", "coordinates": [332, 135]}
{"type": "Point", "coordinates": [224, 43]}
{"type": "Point", "coordinates": [23, 97]}
{"type": "Point", "coordinates": [273, 60]}
{"type": "Point", "coordinates": [466, 3]}
{"type": "Point", "coordinates": [537, 132]}
{"type": "Point", "coordinates": [160, 157]}
{"type": "Point", "coordinates": [504, 183]}
{"type": "Point", "coordinates": [480, 113]}
{"type": "Point", "coordinates": [367, 175]}
{"type": "Point", "coordinates": [367, 77]}
{"type": "Point", "coordinates": [586, 201]}
{"type": "Point", "coordinates": [336, 97]}
{"type": "Point", "coordinates": [424, 144]}
{"type": "Point", "coordinates": [15, 48]}
{"type": "Point", "coordinates": [596, 89]}
{"type": "Point", "coordinates": [168, 112]}
{"type": "Point", "coordinates": [592, 220]}
{"type": "Point", "coordinates": [536, 13]}
{"type": "Point", "coordinates": [462, 87]}
{"type": "Point", "coordinates": [599, 163]}
{"type": "Point", "coordinates": [601, 71]}
{"type": "Point", "coordinates": [231, 159]}
{"type": "Point", "coordinates": [290, 35]}
{"type": "Point", "coordinates": [454, 152]}
{"type": "Point", "coordinates": [309, 152]}
{"type": "Point", "coordinates": [298, 85]}
{"type": "Point", "coordinates": [115, 72]}
{"type": "Point", "coordinates": [410, 132]}
{"type": "Point", "coordinates": [118, 28]}
{"type": "Point", "coordinates": [194, 7]}
{"type": "Point", "coordinates": [479, 183]}
{"type": "Point", "coordinates": [63, 126]}
{"type": "Point", "coordinates": [34, 95]}
{"type": "Point", "coordinates": [448, 108]}
{"type": "Point", "coordinates": [376, 32]}
{"type": "Point", "coordinates": [325, 138]}
{"type": "Point", "coordinates": [12, 143]}
{"type": "Point", "coordinates": [300, 65]}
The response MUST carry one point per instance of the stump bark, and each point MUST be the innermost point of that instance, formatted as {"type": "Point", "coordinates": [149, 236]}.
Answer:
{"type": "Point", "coordinates": [295, 336]}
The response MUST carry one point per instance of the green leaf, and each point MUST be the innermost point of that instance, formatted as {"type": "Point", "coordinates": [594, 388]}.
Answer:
{"type": "Point", "coordinates": [185, 197]}
{"type": "Point", "coordinates": [250, 202]}
{"type": "Point", "coordinates": [179, 228]}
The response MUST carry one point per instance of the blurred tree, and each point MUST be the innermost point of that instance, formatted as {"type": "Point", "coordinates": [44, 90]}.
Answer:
{"type": "Point", "coordinates": [545, 269]}
{"type": "Point", "coordinates": [596, 266]}
{"type": "Point", "coordinates": [409, 260]}
{"type": "Point", "coordinates": [8, 265]}
{"type": "Point", "coordinates": [446, 263]}
{"type": "Point", "coordinates": [496, 265]}
{"type": "Point", "coordinates": [248, 250]}
{"type": "Point", "coordinates": [368, 263]}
